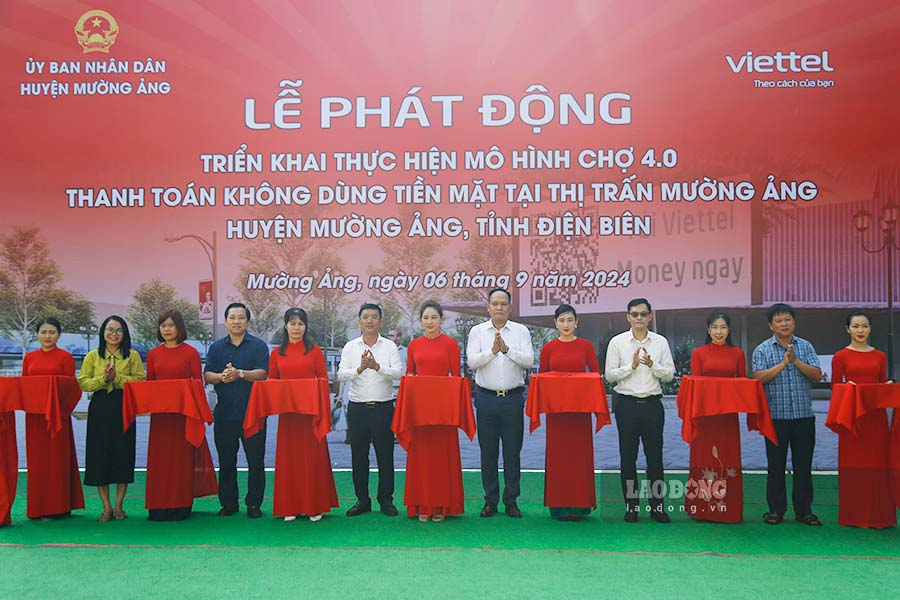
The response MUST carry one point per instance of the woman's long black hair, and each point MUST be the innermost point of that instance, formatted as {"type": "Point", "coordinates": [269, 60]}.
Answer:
{"type": "Point", "coordinates": [288, 315]}
{"type": "Point", "coordinates": [124, 347]}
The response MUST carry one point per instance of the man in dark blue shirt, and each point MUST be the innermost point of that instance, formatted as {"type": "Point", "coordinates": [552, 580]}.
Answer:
{"type": "Point", "coordinates": [232, 365]}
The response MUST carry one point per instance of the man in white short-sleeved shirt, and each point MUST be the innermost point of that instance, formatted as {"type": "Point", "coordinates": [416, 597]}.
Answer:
{"type": "Point", "coordinates": [500, 352]}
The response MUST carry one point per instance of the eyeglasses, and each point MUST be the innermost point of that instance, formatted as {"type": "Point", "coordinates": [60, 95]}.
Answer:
{"type": "Point", "coordinates": [639, 315]}
{"type": "Point", "coordinates": [110, 331]}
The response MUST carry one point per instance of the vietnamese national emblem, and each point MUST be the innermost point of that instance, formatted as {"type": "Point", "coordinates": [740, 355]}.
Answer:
{"type": "Point", "coordinates": [96, 31]}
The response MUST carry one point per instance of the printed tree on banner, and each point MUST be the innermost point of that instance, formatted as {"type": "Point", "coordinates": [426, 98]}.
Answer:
{"type": "Point", "coordinates": [328, 318]}
{"type": "Point", "coordinates": [263, 305]}
{"type": "Point", "coordinates": [540, 336]}
{"type": "Point", "coordinates": [271, 258]}
{"type": "Point", "coordinates": [393, 317]}
{"type": "Point", "coordinates": [298, 257]}
{"type": "Point", "coordinates": [152, 298]}
{"type": "Point", "coordinates": [29, 288]}
{"type": "Point", "coordinates": [413, 256]}
{"type": "Point", "coordinates": [327, 309]}
{"type": "Point", "coordinates": [73, 310]}
{"type": "Point", "coordinates": [268, 257]}
{"type": "Point", "coordinates": [492, 256]}
{"type": "Point", "coordinates": [681, 358]}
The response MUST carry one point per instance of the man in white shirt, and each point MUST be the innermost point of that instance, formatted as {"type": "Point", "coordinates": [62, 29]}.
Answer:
{"type": "Point", "coordinates": [637, 361]}
{"type": "Point", "coordinates": [500, 352]}
{"type": "Point", "coordinates": [370, 363]}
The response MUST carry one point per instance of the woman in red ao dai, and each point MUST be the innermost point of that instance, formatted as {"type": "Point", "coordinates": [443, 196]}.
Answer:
{"type": "Point", "coordinates": [716, 451]}
{"type": "Point", "coordinates": [54, 488]}
{"type": "Point", "coordinates": [864, 495]}
{"type": "Point", "coordinates": [434, 486]}
{"type": "Point", "coordinates": [176, 471]}
{"type": "Point", "coordinates": [304, 482]}
{"type": "Point", "coordinates": [569, 489]}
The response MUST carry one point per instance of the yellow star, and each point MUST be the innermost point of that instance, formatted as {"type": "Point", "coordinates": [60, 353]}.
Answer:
{"type": "Point", "coordinates": [96, 22]}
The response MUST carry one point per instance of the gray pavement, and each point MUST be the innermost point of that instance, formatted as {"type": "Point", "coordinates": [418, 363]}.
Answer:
{"type": "Point", "coordinates": [606, 444]}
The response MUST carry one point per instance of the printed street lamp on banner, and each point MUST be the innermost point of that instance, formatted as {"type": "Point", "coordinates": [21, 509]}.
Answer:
{"type": "Point", "coordinates": [87, 333]}
{"type": "Point", "coordinates": [888, 222]}
{"type": "Point", "coordinates": [210, 249]}
{"type": "Point", "coordinates": [206, 338]}
{"type": "Point", "coordinates": [464, 324]}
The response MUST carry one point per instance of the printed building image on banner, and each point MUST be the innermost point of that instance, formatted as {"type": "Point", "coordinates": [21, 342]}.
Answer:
{"type": "Point", "coordinates": [690, 257]}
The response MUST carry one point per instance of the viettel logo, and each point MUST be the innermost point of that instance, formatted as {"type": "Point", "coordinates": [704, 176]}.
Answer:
{"type": "Point", "coordinates": [780, 62]}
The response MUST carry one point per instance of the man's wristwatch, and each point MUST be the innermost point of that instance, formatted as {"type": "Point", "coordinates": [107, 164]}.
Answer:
{"type": "Point", "coordinates": [241, 373]}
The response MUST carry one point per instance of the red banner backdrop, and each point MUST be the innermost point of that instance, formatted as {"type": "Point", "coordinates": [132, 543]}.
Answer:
{"type": "Point", "coordinates": [589, 152]}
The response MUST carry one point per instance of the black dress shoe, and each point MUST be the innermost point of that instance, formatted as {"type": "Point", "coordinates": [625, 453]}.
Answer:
{"type": "Point", "coordinates": [513, 511]}
{"type": "Point", "coordinates": [631, 516]}
{"type": "Point", "coordinates": [389, 509]}
{"type": "Point", "coordinates": [253, 512]}
{"type": "Point", "coordinates": [359, 508]}
{"type": "Point", "coordinates": [810, 519]}
{"type": "Point", "coordinates": [227, 511]}
{"type": "Point", "coordinates": [489, 510]}
{"type": "Point", "coordinates": [771, 518]}
{"type": "Point", "coordinates": [660, 516]}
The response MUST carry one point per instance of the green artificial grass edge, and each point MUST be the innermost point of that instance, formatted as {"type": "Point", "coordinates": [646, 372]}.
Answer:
{"type": "Point", "coordinates": [603, 532]}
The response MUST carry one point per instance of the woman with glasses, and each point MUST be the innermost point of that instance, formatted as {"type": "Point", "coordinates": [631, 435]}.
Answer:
{"type": "Point", "coordinates": [176, 471]}
{"type": "Point", "coordinates": [304, 483]}
{"type": "Point", "coordinates": [864, 496]}
{"type": "Point", "coordinates": [109, 453]}
{"type": "Point", "coordinates": [54, 489]}
{"type": "Point", "coordinates": [716, 451]}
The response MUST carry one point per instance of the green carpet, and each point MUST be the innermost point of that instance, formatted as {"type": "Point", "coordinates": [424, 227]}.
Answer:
{"type": "Point", "coordinates": [370, 555]}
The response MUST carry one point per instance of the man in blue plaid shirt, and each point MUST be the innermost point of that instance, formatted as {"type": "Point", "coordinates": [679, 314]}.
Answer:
{"type": "Point", "coordinates": [788, 366]}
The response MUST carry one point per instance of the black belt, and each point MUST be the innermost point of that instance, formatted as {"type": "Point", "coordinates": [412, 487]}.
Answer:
{"type": "Point", "coordinates": [372, 404]}
{"type": "Point", "coordinates": [637, 399]}
{"type": "Point", "coordinates": [501, 393]}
